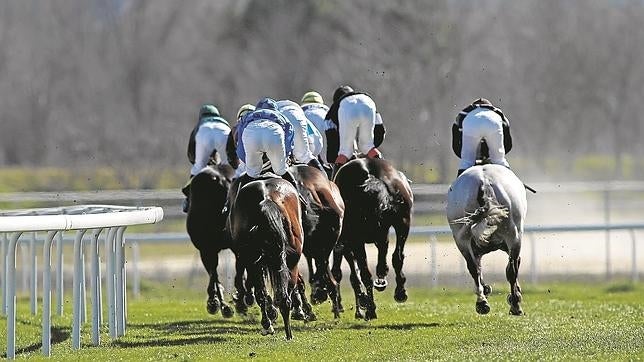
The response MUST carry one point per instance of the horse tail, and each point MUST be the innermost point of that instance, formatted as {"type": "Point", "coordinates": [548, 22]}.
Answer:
{"type": "Point", "coordinates": [376, 195]}
{"type": "Point", "coordinates": [272, 232]}
{"type": "Point", "coordinates": [485, 220]}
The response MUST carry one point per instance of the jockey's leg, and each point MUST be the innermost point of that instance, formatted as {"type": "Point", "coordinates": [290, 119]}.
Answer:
{"type": "Point", "coordinates": [348, 129]}
{"type": "Point", "coordinates": [496, 149]}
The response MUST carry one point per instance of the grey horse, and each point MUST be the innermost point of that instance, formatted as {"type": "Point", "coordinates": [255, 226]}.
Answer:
{"type": "Point", "coordinates": [486, 209]}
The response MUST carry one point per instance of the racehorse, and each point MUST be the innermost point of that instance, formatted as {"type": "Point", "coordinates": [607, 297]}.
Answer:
{"type": "Point", "coordinates": [267, 235]}
{"type": "Point", "coordinates": [322, 222]}
{"type": "Point", "coordinates": [376, 197]}
{"type": "Point", "coordinates": [206, 224]}
{"type": "Point", "coordinates": [486, 209]}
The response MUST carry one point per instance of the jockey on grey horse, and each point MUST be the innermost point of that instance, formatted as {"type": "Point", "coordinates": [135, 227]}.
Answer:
{"type": "Point", "coordinates": [486, 204]}
{"type": "Point", "coordinates": [481, 121]}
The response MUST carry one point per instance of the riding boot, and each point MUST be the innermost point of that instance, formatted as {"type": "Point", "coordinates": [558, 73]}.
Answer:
{"type": "Point", "coordinates": [243, 180]}
{"type": "Point", "coordinates": [459, 172]}
{"type": "Point", "coordinates": [315, 163]}
{"type": "Point", "coordinates": [185, 205]}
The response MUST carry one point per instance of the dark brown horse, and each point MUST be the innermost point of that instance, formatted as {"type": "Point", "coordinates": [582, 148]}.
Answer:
{"type": "Point", "coordinates": [322, 223]}
{"type": "Point", "coordinates": [206, 224]}
{"type": "Point", "coordinates": [377, 197]}
{"type": "Point", "coordinates": [267, 235]}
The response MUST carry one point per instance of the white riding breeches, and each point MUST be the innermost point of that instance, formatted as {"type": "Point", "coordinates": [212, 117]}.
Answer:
{"type": "Point", "coordinates": [316, 142]}
{"type": "Point", "coordinates": [295, 115]}
{"type": "Point", "coordinates": [264, 136]}
{"type": "Point", "coordinates": [209, 137]}
{"type": "Point", "coordinates": [356, 116]}
{"type": "Point", "coordinates": [482, 124]}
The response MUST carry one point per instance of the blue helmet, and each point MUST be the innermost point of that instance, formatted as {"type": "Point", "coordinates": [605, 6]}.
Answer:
{"type": "Point", "coordinates": [267, 103]}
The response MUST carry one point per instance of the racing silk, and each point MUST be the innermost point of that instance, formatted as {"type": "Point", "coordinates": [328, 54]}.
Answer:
{"type": "Point", "coordinates": [269, 115]}
{"type": "Point", "coordinates": [332, 115]}
{"type": "Point", "coordinates": [316, 113]}
{"type": "Point", "coordinates": [192, 142]}
{"type": "Point", "coordinates": [457, 129]}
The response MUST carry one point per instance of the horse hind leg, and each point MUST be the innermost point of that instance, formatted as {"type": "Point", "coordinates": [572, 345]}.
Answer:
{"type": "Point", "coordinates": [306, 306]}
{"type": "Point", "coordinates": [367, 281]}
{"type": "Point", "coordinates": [397, 260]}
{"type": "Point", "coordinates": [474, 267]}
{"type": "Point", "coordinates": [336, 272]}
{"type": "Point", "coordinates": [262, 298]}
{"type": "Point", "coordinates": [226, 310]}
{"type": "Point", "coordinates": [512, 275]}
{"type": "Point", "coordinates": [382, 269]}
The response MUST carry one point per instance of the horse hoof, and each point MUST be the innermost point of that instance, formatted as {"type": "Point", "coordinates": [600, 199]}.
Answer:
{"type": "Point", "coordinates": [249, 300]}
{"type": "Point", "coordinates": [487, 289]}
{"type": "Point", "coordinates": [298, 315]}
{"type": "Point", "coordinates": [267, 331]}
{"type": "Point", "coordinates": [517, 312]}
{"type": "Point", "coordinates": [340, 308]}
{"type": "Point", "coordinates": [359, 314]}
{"type": "Point", "coordinates": [400, 296]}
{"type": "Point", "coordinates": [241, 308]}
{"type": "Point", "coordinates": [482, 307]}
{"type": "Point", "coordinates": [212, 306]}
{"type": "Point", "coordinates": [380, 284]}
{"type": "Point", "coordinates": [227, 312]}
{"type": "Point", "coordinates": [311, 317]}
{"type": "Point", "coordinates": [370, 314]}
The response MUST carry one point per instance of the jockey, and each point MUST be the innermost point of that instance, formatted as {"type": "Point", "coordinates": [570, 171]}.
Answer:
{"type": "Point", "coordinates": [481, 121]}
{"type": "Point", "coordinates": [264, 131]}
{"type": "Point", "coordinates": [353, 113]}
{"type": "Point", "coordinates": [207, 143]}
{"type": "Point", "coordinates": [315, 110]}
{"type": "Point", "coordinates": [231, 144]}
{"type": "Point", "coordinates": [302, 150]}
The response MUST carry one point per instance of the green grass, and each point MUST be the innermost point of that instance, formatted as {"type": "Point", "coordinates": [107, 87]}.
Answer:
{"type": "Point", "coordinates": [562, 322]}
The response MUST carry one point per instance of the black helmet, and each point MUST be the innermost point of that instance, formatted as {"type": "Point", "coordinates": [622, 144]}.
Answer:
{"type": "Point", "coordinates": [341, 91]}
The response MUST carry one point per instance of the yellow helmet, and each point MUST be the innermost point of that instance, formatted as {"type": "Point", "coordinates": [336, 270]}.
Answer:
{"type": "Point", "coordinates": [312, 97]}
{"type": "Point", "coordinates": [245, 109]}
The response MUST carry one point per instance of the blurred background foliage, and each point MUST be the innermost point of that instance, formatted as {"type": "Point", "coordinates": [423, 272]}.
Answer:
{"type": "Point", "coordinates": [102, 94]}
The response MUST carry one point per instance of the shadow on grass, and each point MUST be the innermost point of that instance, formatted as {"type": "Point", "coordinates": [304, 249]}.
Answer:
{"type": "Point", "coordinates": [168, 342]}
{"type": "Point", "coordinates": [58, 335]}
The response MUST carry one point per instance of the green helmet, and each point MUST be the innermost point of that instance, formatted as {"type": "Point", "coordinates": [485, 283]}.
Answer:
{"type": "Point", "coordinates": [312, 97]}
{"type": "Point", "coordinates": [208, 110]}
{"type": "Point", "coordinates": [245, 109]}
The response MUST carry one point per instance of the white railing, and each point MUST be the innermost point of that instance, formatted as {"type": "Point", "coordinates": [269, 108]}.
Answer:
{"type": "Point", "coordinates": [95, 218]}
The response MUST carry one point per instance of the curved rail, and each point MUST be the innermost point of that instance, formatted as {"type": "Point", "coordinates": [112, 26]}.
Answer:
{"type": "Point", "coordinates": [81, 218]}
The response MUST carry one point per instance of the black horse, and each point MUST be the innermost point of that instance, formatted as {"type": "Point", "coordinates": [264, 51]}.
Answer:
{"type": "Point", "coordinates": [206, 224]}
{"type": "Point", "coordinates": [266, 229]}
{"type": "Point", "coordinates": [322, 222]}
{"type": "Point", "coordinates": [377, 197]}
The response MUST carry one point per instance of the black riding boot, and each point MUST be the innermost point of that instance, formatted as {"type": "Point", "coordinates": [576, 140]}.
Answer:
{"type": "Point", "coordinates": [315, 163]}
{"type": "Point", "coordinates": [185, 205]}
{"type": "Point", "coordinates": [243, 180]}
{"type": "Point", "coordinates": [459, 172]}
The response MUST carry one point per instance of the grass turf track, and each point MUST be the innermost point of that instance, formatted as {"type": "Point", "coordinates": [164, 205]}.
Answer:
{"type": "Point", "coordinates": [562, 322]}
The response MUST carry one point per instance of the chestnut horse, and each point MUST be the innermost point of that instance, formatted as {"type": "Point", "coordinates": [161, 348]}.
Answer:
{"type": "Point", "coordinates": [376, 197]}
{"type": "Point", "coordinates": [486, 209]}
{"type": "Point", "coordinates": [322, 222]}
{"type": "Point", "coordinates": [206, 224]}
{"type": "Point", "coordinates": [267, 236]}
